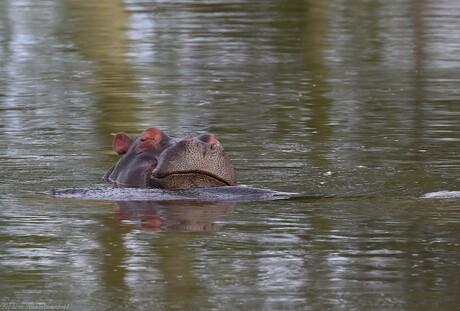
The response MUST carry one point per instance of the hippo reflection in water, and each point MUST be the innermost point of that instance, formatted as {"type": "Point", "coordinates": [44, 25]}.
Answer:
{"type": "Point", "coordinates": [191, 216]}
{"type": "Point", "coordinates": [155, 160]}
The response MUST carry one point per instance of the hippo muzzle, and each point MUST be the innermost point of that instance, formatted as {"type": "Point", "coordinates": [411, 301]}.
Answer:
{"type": "Point", "coordinates": [193, 163]}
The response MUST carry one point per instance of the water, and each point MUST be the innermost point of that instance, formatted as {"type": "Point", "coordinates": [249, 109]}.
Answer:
{"type": "Point", "coordinates": [356, 102]}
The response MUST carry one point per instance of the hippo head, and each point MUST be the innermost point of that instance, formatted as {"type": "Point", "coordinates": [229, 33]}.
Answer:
{"type": "Point", "coordinates": [155, 160]}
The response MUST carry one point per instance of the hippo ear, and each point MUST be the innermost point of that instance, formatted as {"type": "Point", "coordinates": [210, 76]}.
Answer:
{"type": "Point", "coordinates": [121, 143]}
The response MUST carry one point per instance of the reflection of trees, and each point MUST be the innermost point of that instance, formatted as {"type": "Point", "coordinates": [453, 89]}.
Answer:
{"type": "Point", "coordinates": [98, 30]}
{"type": "Point", "coordinates": [112, 269]}
{"type": "Point", "coordinates": [314, 35]}
{"type": "Point", "coordinates": [379, 253]}
{"type": "Point", "coordinates": [167, 253]}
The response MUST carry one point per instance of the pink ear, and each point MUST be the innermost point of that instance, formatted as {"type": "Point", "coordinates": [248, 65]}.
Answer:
{"type": "Point", "coordinates": [121, 143]}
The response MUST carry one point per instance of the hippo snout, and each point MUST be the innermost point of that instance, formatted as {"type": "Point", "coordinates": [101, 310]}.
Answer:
{"type": "Point", "coordinates": [193, 163]}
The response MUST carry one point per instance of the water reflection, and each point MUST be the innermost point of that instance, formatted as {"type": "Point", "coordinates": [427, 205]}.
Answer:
{"type": "Point", "coordinates": [174, 215]}
{"type": "Point", "coordinates": [357, 99]}
{"type": "Point", "coordinates": [115, 80]}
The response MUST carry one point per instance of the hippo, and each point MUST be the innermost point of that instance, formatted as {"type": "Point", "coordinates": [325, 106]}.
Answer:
{"type": "Point", "coordinates": [155, 160]}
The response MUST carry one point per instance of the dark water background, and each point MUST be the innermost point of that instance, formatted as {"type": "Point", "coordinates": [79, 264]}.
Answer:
{"type": "Point", "coordinates": [359, 100]}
